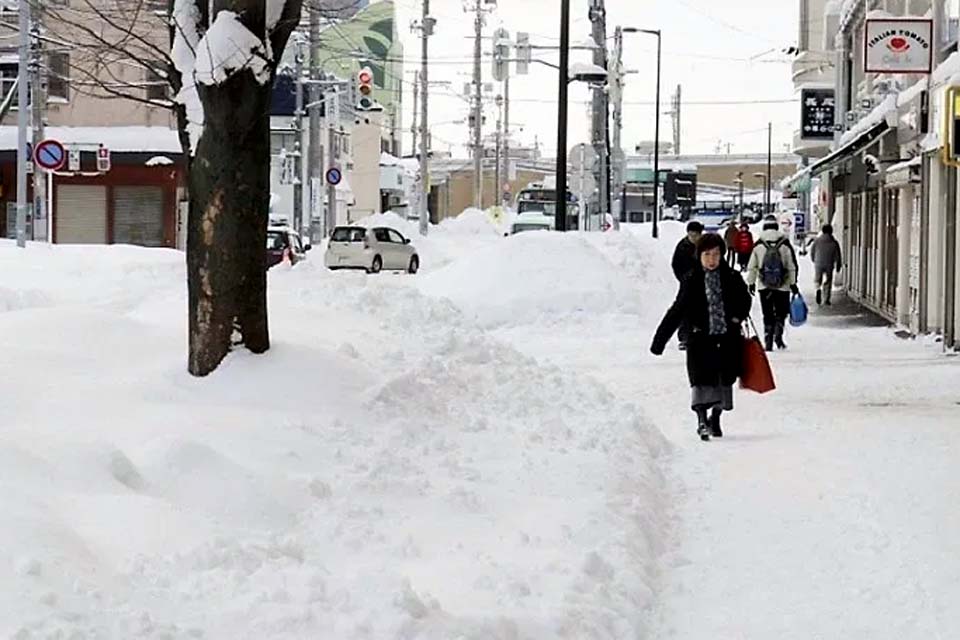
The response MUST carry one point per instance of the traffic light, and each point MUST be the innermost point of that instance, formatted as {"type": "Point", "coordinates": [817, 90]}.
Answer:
{"type": "Point", "coordinates": [501, 55]}
{"type": "Point", "coordinates": [365, 90]}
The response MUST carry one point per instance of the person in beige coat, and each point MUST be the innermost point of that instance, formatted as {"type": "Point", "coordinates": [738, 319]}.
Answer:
{"type": "Point", "coordinates": [773, 270]}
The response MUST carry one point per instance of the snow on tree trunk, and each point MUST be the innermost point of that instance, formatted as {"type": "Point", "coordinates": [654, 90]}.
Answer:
{"type": "Point", "coordinates": [227, 73]}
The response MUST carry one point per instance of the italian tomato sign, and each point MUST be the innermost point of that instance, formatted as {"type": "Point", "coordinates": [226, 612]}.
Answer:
{"type": "Point", "coordinates": [898, 45]}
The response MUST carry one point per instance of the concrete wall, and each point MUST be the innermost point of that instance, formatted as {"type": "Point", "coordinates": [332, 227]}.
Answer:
{"type": "Point", "coordinates": [726, 174]}
{"type": "Point", "coordinates": [456, 194]}
{"type": "Point", "coordinates": [365, 177]}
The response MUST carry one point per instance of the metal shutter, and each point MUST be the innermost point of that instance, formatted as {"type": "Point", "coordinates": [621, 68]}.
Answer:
{"type": "Point", "coordinates": [138, 216]}
{"type": "Point", "coordinates": [81, 214]}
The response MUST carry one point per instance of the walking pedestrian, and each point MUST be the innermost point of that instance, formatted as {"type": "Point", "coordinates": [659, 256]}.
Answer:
{"type": "Point", "coordinates": [685, 255]}
{"type": "Point", "coordinates": [685, 262]}
{"type": "Point", "coordinates": [827, 258]}
{"type": "Point", "coordinates": [712, 303]}
{"type": "Point", "coordinates": [773, 269]}
{"type": "Point", "coordinates": [730, 238]}
{"type": "Point", "coordinates": [744, 246]}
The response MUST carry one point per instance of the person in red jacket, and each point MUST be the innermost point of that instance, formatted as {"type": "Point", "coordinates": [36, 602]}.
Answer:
{"type": "Point", "coordinates": [743, 243]}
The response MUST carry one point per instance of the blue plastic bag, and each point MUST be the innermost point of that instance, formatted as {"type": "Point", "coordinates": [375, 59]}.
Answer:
{"type": "Point", "coordinates": [798, 311]}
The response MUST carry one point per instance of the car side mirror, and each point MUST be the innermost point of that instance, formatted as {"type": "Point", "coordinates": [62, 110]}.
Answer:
{"type": "Point", "coordinates": [406, 241]}
{"type": "Point", "coordinates": [307, 247]}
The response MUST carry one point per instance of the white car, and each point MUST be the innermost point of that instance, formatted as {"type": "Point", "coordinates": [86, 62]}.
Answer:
{"type": "Point", "coordinates": [532, 221]}
{"type": "Point", "coordinates": [374, 250]}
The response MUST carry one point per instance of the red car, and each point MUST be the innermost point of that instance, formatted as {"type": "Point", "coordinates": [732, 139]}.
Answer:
{"type": "Point", "coordinates": [284, 243]}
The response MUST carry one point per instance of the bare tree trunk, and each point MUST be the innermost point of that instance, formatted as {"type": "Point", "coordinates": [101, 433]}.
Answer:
{"type": "Point", "coordinates": [227, 229]}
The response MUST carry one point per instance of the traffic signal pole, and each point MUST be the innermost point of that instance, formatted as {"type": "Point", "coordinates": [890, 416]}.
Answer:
{"type": "Point", "coordinates": [22, 123]}
{"type": "Point", "coordinates": [426, 27]}
{"type": "Point", "coordinates": [563, 89]}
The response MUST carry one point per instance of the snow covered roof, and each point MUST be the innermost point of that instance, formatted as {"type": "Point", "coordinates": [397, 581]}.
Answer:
{"type": "Point", "coordinates": [117, 139]}
{"type": "Point", "coordinates": [388, 160]}
{"type": "Point", "coordinates": [912, 162]}
{"type": "Point", "coordinates": [879, 114]}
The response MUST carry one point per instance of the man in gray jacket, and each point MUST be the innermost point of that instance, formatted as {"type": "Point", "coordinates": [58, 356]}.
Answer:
{"type": "Point", "coordinates": [826, 259]}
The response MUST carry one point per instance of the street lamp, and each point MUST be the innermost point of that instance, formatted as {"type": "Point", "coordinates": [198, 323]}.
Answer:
{"type": "Point", "coordinates": [739, 182]}
{"type": "Point", "coordinates": [656, 135]}
{"type": "Point", "coordinates": [766, 190]}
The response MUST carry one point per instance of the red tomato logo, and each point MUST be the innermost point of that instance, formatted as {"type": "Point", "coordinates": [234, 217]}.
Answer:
{"type": "Point", "coordinates": [898, 44]}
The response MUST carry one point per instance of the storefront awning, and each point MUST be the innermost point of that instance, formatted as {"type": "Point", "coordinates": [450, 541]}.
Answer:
{"type": "Point", "coordinates": [862, 141]}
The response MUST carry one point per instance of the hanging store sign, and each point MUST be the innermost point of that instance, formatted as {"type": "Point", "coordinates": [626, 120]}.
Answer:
{"type": "Point", "coordinates": [898, 45]}
{"type": "Point", "coordinates": [817, 115]}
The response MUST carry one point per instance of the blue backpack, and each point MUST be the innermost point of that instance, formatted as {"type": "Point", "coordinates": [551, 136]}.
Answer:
{"type": "Point", "coordinates": [773, 273]}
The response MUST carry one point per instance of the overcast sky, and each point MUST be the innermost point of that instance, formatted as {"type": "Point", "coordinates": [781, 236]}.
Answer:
{"type": "Point", "coordinates": [721, 50]}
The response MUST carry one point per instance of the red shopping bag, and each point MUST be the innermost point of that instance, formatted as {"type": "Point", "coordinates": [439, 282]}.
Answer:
{"type": "Point", "coordinates": [757, 375]}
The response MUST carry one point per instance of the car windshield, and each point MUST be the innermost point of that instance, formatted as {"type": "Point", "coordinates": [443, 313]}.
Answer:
{"type": "Point", "coordinates": [275, 241]}
{"type": "Point", "coordinates": [520, 228]}
{"type": "Point", "coordinates": [348, 234]}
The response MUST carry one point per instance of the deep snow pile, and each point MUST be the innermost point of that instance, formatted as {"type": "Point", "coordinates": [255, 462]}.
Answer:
{"type": "Point", "coordinates": [535, 279]}
{"type": "Point", "coordinates": [450, 240]}
{"type": "Point", "coordinates": [391, 469]}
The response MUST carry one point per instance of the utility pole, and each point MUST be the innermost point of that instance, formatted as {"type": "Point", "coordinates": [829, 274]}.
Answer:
{"type": "Point", "coordinates": [478, 107]}
{"type": "Point", "coordinates": [38, 101]}
{"type": "Point", "coordinates": [600, 108]}
{"type": "Point", "coordinates": [332, 102]}
{"type": "Point", "coordinates": [315, 159]}
{"type": "Point", "coordinates": [768, 199]}
{"type": "Point", "coordinates": [675, 119]}
{"type": "Point", "coordinates": [476, 116]}
{"type": "Point", "coordinates": [414, 127]}
{"type": "Point", "coordinates": [506, 137]}
{"type": "Point", "coordinates": [560, 221]}
{"type": "Point", "coordinates": [616, 87]}
{"type": "Point", "coordinates": [426, 29]}
{"type": "Point", "coordinates": [22, 116]}
{"type": "Point", "coordinates": [297, 222]}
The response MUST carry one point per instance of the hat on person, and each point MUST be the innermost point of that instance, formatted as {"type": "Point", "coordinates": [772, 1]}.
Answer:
{"type": "Point", "coordinates": [694, 226]}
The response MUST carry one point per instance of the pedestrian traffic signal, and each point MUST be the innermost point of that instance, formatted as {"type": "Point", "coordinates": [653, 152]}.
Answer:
{"type": "Point", "coordinates": [365, 89]}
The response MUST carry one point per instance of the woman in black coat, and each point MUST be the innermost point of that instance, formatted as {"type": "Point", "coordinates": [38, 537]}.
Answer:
{"type": "Point", "coordinates": [711, 305]}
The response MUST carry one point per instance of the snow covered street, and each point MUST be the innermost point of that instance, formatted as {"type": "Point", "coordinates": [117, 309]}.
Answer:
{"type": "Point", "coordinates": [485, 451]}
{"type": "Point", "coordinates": [828, 510]}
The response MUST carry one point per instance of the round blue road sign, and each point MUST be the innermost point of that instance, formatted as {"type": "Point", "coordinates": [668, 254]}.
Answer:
{"type": "Point", "coordinates": [50, 155]}
{"type": "Point", "coordinates": [334, 176]}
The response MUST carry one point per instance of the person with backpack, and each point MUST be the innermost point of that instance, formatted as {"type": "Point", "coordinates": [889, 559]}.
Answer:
{"type": "Point", "coordinates": [826, 257]}
{"type": "Point", "coordinates": [743, 244]}
{"type": "Point", "coordinates": [773, 270]}
{"type": "Point", "coordinates": [712, 303]}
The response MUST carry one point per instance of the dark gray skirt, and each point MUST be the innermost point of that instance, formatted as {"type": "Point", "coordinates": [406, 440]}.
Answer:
{"type": "Point", "coordinates": [712, 396]}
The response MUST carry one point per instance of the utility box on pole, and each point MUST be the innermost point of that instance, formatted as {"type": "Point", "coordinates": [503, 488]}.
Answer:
{"type": "Point", "coordinates": [501, 54]}
{"type": "Point", "coordinates": [524, 53]}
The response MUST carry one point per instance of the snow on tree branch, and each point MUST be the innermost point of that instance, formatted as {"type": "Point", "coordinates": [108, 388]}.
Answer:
{"type": "Point", "coordinates": [186, 27]}
{"type": "Point", "coordinates": [228, 47]}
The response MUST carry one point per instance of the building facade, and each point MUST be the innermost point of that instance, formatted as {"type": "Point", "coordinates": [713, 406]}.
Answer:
{"type": "Point", "coordinates": [366, 36]}
{"type": "Point", "coordinates": [885, 186]}
{"type": "Point", "coordinates": [85, 104]}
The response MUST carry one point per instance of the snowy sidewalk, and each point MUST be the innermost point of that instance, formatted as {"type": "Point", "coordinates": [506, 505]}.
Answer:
{"type": "Point", "coordinates": [828, 511]}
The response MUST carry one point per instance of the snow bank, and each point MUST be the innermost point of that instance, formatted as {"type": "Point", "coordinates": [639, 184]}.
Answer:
{"type": "Point", "coordinates": [390, 469]}
{"type": "Point", "coordinates": [534, 278]}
